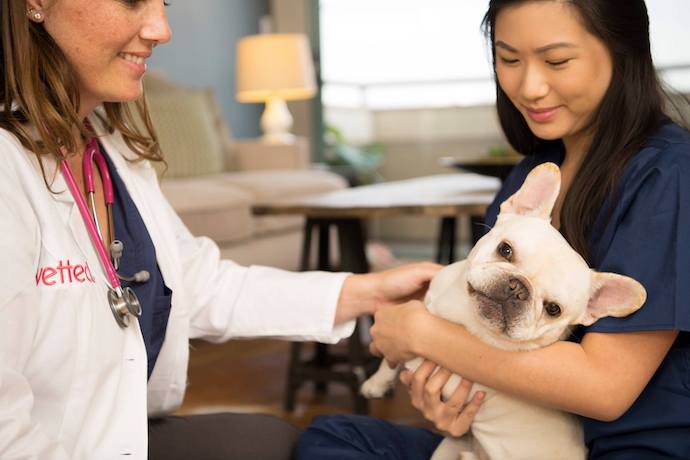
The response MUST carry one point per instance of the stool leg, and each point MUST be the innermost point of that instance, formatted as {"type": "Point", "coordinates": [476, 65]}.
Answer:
{"type": "Point", "coordinates": [352, 242]}
{"type": "Point", "coordinates": [321, 361]}
{"type": "Point", "coordinates": [478, 228]}
{"type": "Point", "coordinates": [357, 361]}
{"type": "Point", "coordinates": [306, 245]}
{"type": "Point", "coordinates": [293, 379]}
{"type": "Point", "coordinates": [445, 251]}
{"type": "Point", "coordinates": [321, 355]}
{"type": "Point", "coordinates": [324, 252]}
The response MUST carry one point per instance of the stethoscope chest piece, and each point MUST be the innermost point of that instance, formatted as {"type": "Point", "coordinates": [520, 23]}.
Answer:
{"type": "Point", "coordinates": [122, 304]}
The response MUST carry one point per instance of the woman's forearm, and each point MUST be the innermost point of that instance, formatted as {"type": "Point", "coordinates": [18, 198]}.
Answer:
{"type": "Point", "coordinates": [599, 378]}
{"type": "Point", "coordinates": [356, 298]}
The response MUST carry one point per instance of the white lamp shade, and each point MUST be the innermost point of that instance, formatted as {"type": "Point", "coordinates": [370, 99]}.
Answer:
{"type": "Point", "coordinates": [274, 66]}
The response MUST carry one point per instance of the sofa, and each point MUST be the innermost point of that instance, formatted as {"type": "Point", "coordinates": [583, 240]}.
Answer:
{"type": "Point", "coordinates": [212, 180]}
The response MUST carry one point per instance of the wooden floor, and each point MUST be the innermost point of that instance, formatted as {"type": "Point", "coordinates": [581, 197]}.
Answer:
{"type": "Point", "coordinates": [249, 376]}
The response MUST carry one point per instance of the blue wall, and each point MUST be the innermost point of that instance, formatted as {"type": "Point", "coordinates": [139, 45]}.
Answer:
{"type": "Point", "coordinates": [202, 52]}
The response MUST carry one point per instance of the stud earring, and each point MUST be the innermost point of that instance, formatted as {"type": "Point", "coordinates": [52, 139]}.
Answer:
{"type": "Point", "coordinates": [35, 15]}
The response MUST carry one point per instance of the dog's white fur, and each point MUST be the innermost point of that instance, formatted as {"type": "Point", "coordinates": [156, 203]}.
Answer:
{"type": "Point", "coordinates": [503, 302]}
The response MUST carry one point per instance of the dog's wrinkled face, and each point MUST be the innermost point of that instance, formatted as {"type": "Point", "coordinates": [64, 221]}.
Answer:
{"type": "Point", "coordinates": [528, 283]}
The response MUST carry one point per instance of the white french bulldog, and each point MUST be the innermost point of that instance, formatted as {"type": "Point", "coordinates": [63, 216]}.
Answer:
{"type": "Point", "coordinates": [521, 288]}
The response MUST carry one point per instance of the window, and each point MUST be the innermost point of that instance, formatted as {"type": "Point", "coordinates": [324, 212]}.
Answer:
{"type": "Point", "coordinates": [387, 54]}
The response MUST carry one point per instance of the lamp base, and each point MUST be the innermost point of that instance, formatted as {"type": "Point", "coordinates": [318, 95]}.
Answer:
{"type": "Point", "coordinates": [276, 122]}
{"type": "Point", "coordinates": [278, 138]}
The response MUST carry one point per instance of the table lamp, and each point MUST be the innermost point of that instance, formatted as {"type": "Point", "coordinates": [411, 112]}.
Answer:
{"type": "Point", "coordinates": [274, 68]}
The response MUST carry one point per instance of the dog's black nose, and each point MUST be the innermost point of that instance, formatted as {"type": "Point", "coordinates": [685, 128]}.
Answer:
{"type": "Point", "coordinates": [516, 289]}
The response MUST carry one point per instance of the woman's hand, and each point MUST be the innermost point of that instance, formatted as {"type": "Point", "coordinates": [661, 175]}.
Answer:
{"type": "Point", "coordinates": [452, 417]}
{"type": "Point", "coordinates": [366, 294]}
{"type": "Point", "coordinates": [395, 328]}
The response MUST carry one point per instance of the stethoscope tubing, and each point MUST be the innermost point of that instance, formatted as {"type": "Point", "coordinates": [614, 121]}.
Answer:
{"type": "Point", "coordinates": [123, 301]}
{"type": "Point", "coordinates": [89, 222]}
{"type": "Point", "coordinates": [91, 156]}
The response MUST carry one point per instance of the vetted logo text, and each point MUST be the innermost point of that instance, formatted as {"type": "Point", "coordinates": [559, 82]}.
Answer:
{"type": "Point", "coordinates": [64, 273]}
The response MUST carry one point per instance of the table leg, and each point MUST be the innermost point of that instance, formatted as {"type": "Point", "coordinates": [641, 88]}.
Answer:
{"type": "Point", "coordinates": [445, 251]}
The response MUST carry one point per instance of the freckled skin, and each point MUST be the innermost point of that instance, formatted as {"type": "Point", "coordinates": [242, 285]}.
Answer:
{"type": "Point", "coordinates": [93, 33]}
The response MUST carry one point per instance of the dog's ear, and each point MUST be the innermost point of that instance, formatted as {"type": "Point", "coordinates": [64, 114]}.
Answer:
{"type": "Point", "coordinates": [537, 195]}
{"type": "Point", "coordinates": [612, 295]}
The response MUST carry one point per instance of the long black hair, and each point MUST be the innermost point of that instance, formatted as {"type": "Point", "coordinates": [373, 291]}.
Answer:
{"type": "Point", "coordinates": [630, 112]}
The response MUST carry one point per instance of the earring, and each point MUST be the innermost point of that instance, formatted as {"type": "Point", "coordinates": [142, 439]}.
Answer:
{"type": "Point", "coordinates": [35, 15]}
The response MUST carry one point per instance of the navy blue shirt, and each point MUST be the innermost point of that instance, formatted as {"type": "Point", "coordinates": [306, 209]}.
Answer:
{"type": "Point", "coordinates": [648, 238]}
{"type": "Point", "coordinates": [140, 254]}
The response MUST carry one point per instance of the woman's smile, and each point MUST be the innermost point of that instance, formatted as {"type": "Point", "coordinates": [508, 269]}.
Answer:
{"type": "Point", "coordinates": [543, 115]}
{"type": "Point", "coordinates": [136, 61]}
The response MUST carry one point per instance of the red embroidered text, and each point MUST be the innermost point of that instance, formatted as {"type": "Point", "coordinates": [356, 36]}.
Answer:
{"type": "Point", "coordinates": [64, 273]}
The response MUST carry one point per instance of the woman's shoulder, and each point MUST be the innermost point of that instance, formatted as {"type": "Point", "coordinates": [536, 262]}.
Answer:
{"type": "Point", "coordinates": [14, 155]}
{"type": "Point", "coordinates": [663, 162]}
{"type": "Point", "coordinates": [9, 142]}
{"type": "Point", "coordinates": [667, 149]}
{"type": "Point", "coordinates": [18, 222]}
{"type": "Point", "coordinates": [670, 134]}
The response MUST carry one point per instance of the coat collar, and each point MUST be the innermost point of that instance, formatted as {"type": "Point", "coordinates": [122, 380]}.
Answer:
{"type": "Point", "coordinates": [137, 177]}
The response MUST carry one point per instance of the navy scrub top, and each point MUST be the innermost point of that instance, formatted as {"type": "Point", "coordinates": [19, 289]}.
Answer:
{"type": "Point", "coordinates": [140, 254]}
{"type": "Point", "coordinates": [647, 238]}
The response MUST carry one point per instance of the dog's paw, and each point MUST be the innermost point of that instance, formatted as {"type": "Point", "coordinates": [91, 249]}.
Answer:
{"type": "Point", "coordinates": [374, 388]}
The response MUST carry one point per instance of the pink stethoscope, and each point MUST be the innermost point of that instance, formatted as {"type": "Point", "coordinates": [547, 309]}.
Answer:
{"type": "Point", "coordinates": [123, 301]}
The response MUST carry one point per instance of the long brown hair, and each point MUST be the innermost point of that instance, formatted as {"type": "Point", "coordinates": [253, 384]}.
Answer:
{"type": "Point", "coordinates": [40, 96]}
{"type": "Point", "coordinates": [631, 111]}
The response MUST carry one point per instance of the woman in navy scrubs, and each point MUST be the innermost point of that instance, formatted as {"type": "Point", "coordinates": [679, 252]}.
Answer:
{"type": "Point", "coordinates": [576, 86]}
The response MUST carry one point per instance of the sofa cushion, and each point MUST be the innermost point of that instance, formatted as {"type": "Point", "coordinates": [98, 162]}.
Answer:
{"type": "Point", "coordinates": [210, 208]}
{"type": "Point", "coordinates": [266, 186]}
{"type": "Point", "coordinates": [187, 131]}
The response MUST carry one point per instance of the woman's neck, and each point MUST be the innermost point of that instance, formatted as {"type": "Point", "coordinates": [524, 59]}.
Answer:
{"type": "Point", "coordinates": [86, 106]}
{"type": "Point", "coordinates": [576, 147]}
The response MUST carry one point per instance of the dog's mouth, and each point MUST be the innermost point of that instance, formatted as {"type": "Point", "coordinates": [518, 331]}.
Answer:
{"type": "Point", "coordinates": [500, 313]}
{"type": "Point", "coordinates": [489, 307]}
{"type": "Point", "coordinates": [481, 294]}
{"type": "Point", "coordinates": [476, 293]}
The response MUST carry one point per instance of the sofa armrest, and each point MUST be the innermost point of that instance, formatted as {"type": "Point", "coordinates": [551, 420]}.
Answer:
{"type": "Point", "coordinates": [254, 155]}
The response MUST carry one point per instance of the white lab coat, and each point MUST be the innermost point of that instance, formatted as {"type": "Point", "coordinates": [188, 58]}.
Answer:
{"type": "Point", "coordinates": [72, 383]}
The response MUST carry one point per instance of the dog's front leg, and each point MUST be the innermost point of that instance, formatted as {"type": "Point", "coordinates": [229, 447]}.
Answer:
{"type": "Point", "coordinates": [383, 380]}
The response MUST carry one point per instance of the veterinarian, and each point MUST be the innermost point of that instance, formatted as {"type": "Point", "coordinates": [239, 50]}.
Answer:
{"type": "Point", "coordinates": [576, 86]}
{"type": "Point", "coordinates": [93, 343]}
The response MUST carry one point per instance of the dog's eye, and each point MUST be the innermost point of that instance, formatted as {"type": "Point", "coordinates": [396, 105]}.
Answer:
{"type": "Point", "coordinates": [505, 250]}
{"type": "Point", "coordinates": [552, 309]}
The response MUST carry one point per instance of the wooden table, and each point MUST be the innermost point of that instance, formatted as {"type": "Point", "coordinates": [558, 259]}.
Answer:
{"type": "Point", "coordinates": [444, 196]}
